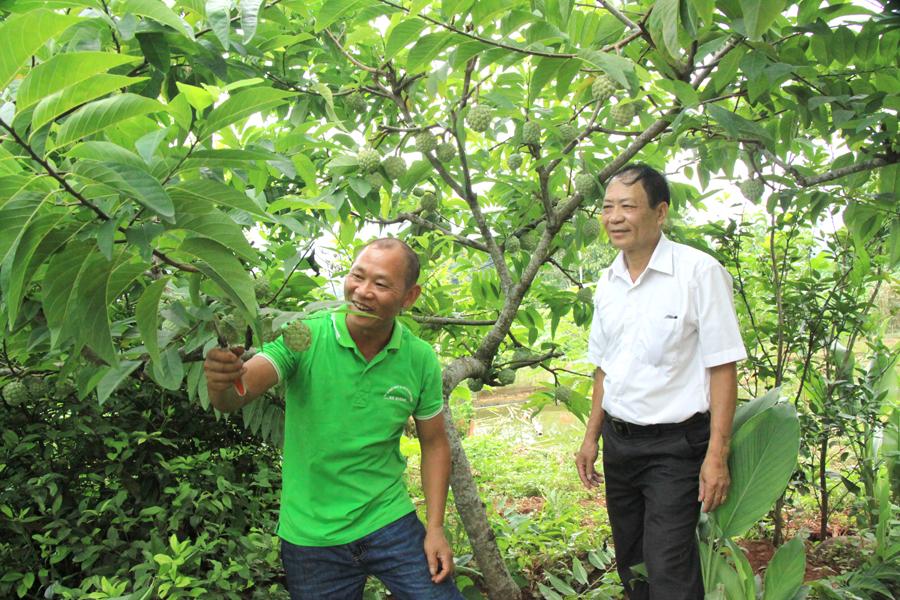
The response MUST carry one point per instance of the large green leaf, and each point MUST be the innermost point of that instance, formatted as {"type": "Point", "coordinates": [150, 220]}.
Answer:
{"type": "Point", "coordinates": [402, 35]}
{"type": "Point", "coordinates": [428, 47]}
{"type": "Point", "coordinates": [92, 313]}
{"type": "Point", "coordinates": [59, 289]}
{"type": "Point", "coordinates": [157, 11]}
{"type": "Point", "coordinates": [220, 265]}
{"type": "Point", "coordinates": [100, 114]}
{"type": "Point", "coordinates": [16, 214]}
{"type": "Point", "coordinates": [147, 316]}
{"type": "Point", "coordinates": [763, 455]}
{"type": "Point", "coordinates": [131, 181]}
{"type": "Point", "coordinates": [333, 10]}
{"type": "Point", "coordinates": [619, 68]}
{"type": "Point", "coordinates": [737, 126]}
{"type": "Point", "coordinates": [759, 15]}
{"type": "Point", "coordinates": [784, 575]}
{"type": "Point", "coordinates": [113, 378]}
{"type": "Point", "coordinates": [64, 70]}
{"type": "Point", "coordinates": [754, 407]}
{"type": "Point", "coordinates": [663, 24]}
{"type": "Point", "coordinates": [214, 192]}
{"type": "Point", "coordinates": [249, 18]}
{"type": "Point", "coordinates": [22, 35]}
{"type": "Point", "coordinates": [200, 218]}
{"type": "Point", "coordinates": [68, 98]}
{"type": "Point", "coordinates": [241, 105]}
{"type": "Point", "coordinates": [218, 15]}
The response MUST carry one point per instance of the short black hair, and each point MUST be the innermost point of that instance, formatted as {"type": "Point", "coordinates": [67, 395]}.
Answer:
{"type": "Point", "coordinates": [654, 183]}
{"type": "Point", "coordinates": [412, 259]}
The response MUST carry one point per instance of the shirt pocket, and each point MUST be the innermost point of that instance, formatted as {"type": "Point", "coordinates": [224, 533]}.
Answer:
{"type": "Point", "coordinates": [663, 333]}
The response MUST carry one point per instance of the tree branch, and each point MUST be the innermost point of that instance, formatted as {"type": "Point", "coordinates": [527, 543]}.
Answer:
{"type": "Point", "coordinates": [432, 320]}
{"type": "Point", "coordinates": [349, 56]}
{"type": "Point", "coordinates": [619, 15]}
{"type": "Point", "coordinates": [413, 217]}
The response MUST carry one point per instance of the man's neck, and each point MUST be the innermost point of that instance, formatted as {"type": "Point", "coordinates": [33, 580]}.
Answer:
{"type": "Point", "coordinates": [636, 261]}
{"type": "Point", "coordinates": [372, 341]}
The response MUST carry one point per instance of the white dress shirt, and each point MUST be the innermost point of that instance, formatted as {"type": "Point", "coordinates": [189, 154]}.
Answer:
{"type": "Point", "coordinates": [656, 338]}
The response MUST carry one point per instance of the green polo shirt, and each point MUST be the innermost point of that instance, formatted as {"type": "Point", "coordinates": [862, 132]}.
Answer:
{"type": "Point", "coordinates": [342, 471]}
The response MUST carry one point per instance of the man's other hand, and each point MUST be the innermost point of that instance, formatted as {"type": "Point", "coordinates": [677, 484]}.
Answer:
{"type": "Point", "coordinates": [222, 367]}
{"type": "Point", "coordinates": [714, 482]}
{"type": "Point", "coordinates": [584, 460]}
{"type": "Point", "coordinates": [439, 555]}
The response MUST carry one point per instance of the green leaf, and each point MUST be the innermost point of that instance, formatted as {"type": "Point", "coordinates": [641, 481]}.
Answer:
{"type": "Point", "coordinates": [131, 181]}
{"type": "Point", "coordinates": [427, 49]}
{"type": "Point", "coordinates": [763, 455]}
{"type": "Point", "coordinates": [68, 98]}
{"type": "Point", "coordinates": [560, 585]}
{"type": "Point", "coordinates": [22, 35]}
{"type": "Point", "coordinates": [737, 126]}
{"type": "Point", "coordinates": [249, 18]}
{"type": "Point", "coordinates": [91, 312]}
{"type": "Point", "coordinates": [214, 192]}
{"type": "Point", "coordinates": [157, 11]}
{"type": "Point", "coordinates": [100, 114]}
{"type": "Point", "coordinates": [200, 218]}
{"type": "Point", "coordinates": [220, 265]}
{"type": "Point", "coordinates": [218, 15]}
{"type": "Point", "coordinates": [759, 15]}
{"type": "Point", "coordinates": [664, 19]}
{"type": "Point", "coordinates": [333, 10]}
{"type": "Point", "coordinates": [545, 70]}
{"type": "Point", "coordinates": [619, 68]}
{"type": "Point", "coordinates": [113, 378]}
{"type": "Point", "coordinates": [147, 316]}
{"type": "Point", "coordinates": [401, 35]}
{"type": "Point", "coordinates": [241, 105]}
{"type": "Point", "coordinates": [753, 407]}
{"type": "Point", "coordinates": [168, 370]}
{"type": "Point", "coordinates": [784, 575]}
{"type": "Point", "coordinates": [64, 70]}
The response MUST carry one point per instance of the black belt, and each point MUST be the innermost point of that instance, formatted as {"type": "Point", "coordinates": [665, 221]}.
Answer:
{"type": "Point", "coordinates": [625, 428]}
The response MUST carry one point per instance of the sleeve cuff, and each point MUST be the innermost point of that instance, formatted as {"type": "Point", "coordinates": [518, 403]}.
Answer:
{"type": "Point", "coordinates": [725, 356]}
{"type": "Point", "coordinates": [271, 362]}
{"type": "Point", "coordinates": [431, 416]}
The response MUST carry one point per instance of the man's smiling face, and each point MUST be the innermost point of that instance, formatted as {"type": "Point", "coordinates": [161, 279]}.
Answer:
{"type": "Point", "coordinates": [376, 285]}
{"type": "Point", "coordinates": [632, 225]}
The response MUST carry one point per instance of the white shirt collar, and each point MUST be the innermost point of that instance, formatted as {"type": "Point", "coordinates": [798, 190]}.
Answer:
{"type": "Point", "coordinates": [662, 260]}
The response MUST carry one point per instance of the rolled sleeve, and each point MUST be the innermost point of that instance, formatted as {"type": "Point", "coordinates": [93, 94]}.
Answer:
{"type": "Point", "coordinates": [596, 339]}
{"type": "Point", "coordinates": [719, 332]}
{"type": "Point", "coordinates": [431, 397]}
{"type": "Point", "coordinates": [283, 359]}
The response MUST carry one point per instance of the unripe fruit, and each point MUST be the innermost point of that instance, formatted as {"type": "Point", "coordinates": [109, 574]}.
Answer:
{"type": "Point", "coordinates": [38, 388]}
{"type": "Point", "coordinates": [262, 289]}
{"type": "Point", "coordinates": [623, 112]}
{"type": "Point", "coordinates": [369, 159]}
{"type": "Point", "coordinates": [476, 385]}
{"type": "Point", "coordinates": [445, 152]}
{"type": "Point", "coordinates": [752, 189]}
{"type": "Point", "coordinates": [394, 167]}
{"type": "Point", "coordinates": [591, 230]}
{"type": "Point", "coordinates": [15, 393]}
{"type": "Point", "coordinates": [506, 376]}
{"type": "Point", "coordinates": [513, 245]}
{"type": "Point", "coordinates": [376, 180]}
{"type": "Point", "coordinates": [269, 333]}
{"type": "Point", "coordinates": [425, 142]}
{"type": "Point", "coordinates": [232, 328]}
{"type": "Point", "coordinates": [429, 202]}
{"type": "Point", "coordinates": [521, 354]}
{"type": "Point", "coordinates": [562, 394]}
{"type": "Point", "coordinates": [297, 336]}
{"type": "Point", "coordinates": [531, 133]}
{"type": "Point", "coordinates": [585, 184]}
{"type": "Point", "coordinates": [514, 161]}
{"type": "Point", "coordinates": [602, 88]}
{"type": "Point", "coordinates": [356, 102]}
{"type": "Point", "coordinates": [530, 241]}
{"type": "Point", "coordinates": [568, 132]}
{"type": "Point", "coordinates": [585, 295]}
{"type": "Point", "coordinates": [479, 117]}
{"type": "Point", "coordinates": [64, 388]}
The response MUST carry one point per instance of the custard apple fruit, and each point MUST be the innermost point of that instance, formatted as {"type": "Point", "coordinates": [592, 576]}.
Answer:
{"type": "Point", "coordinates": [562, 394]}
{"type": "Point", "coordinates": [585, 184]}
{"type": "Point", "coordinates": [15, 393]}
{"type": "Point", "coordinates": [369, 159]}
{"type": "Point", "coordinates": [297, 336]}
{"type": "Point", "coordinates": [602, 88]}
{"type": "Point", "coordinates": [514, 161]}
{"type": "Point", "coordinates": [623, 112]}
{"type": "Point", "coordinates": [445, 152]}
{"type": "Point", "coordinates": [479, 117]}
{"type": "Point", "coordinates": [425, 142]}
{"type": "Point", "coordinates": [752, 189]}
{"type": "Point", "coordinates": [531, 133]}
{"type": "Point", "coordinates": [513, 245]}
{"type": "Point", "coordinates": [394, 167]}
{"type": "Point", "coordinates": [506, 376]}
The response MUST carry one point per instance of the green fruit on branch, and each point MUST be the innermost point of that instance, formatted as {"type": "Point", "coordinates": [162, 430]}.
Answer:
{"type": "Point", "coordinates": [394, 167]}
{"type": "Point", "coordinates": [591, 230]}
{"type": "Point", "coordinates": [297, 336]}
{"type": "Point", "coordinates": [585, 295]}
{"type": "Point", "coordinates": [514, 161]}
{"type": "Point", "coordinates": [445, 152]}
{"type": "Point", "coordinates": [356, 103]}
{"type": "Point", "coordinates": [476, 385]}
{"type": "Point", "coordinates": [623, 113]}
{"type": "Point", "coordinates": [562, 394]}
{"type": "Point", "coordinates": [262, 288]}
{"type": "Point", "coordinates": [531, 133]}
{"type": "Point", "coordinates": [376, 180]}
{"type": "Point", "coordinates": [429, 202]}
{"type": "Point", "coordinates": [530, 240]}
{"type": "Point", "coordinates": [752, 189]}
{"type": "Point", "coordinates": [425, 142]}
{"type": "Point", "coordinates": [232, 329]}
{"type": "Point", "coordinates": [568, 132]}
{"type": "Point", "coordinates": [479, 117]}
{"type": "Point", "coordinates": [369, 159]}
{"type": "Point", "coordinates": [15, 393]}
{"type": "Point", "coordinates": [506, 376]}
{"type": "Point", "coordinates": [521, 354]}
{"type": "Point", "coordinates": [586, 185]}
{"type": "Point", "coordinates": [513, 245]}
{"type": "Point", "coordinates": [602, 89]}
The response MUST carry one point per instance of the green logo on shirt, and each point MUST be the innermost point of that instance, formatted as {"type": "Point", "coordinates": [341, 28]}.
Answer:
{"type": "Point", "coordinates": [400, 394]}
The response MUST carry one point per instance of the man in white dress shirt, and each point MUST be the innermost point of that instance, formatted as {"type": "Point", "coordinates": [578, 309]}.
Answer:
{"type": "Point", "coordinates": [664, 341]}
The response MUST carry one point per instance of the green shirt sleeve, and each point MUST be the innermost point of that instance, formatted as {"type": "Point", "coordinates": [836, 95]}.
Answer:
{"type": "Point", "coordinates": [431, 397]}
{"type": "Point", "coordinates": [284, 360]}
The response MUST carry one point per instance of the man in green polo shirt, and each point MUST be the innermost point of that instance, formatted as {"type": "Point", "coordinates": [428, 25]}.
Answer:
{"type": "Point", "coordinates": [345, 511]}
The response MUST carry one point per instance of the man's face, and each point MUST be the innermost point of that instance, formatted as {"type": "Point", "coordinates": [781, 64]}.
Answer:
{"type": "Point", "coordinates": [376, 285]}
{"type": "Point", "coordinates": [630, 222]}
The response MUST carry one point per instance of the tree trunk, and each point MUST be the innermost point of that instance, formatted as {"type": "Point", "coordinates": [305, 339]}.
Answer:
{"type": "Point", "coordinates": [778, 535]}
{"type": "Point", "coordinates": [823, 486]}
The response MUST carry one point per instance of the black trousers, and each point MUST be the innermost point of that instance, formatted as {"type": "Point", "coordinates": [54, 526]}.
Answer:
{"type": "Point", "coordinates": [652, 483]}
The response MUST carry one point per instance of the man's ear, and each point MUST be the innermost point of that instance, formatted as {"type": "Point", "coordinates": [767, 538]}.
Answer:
{"type": "Point", "coordinates": [412, 294]}
{"type": "Point", "coordinates": [662, 212]}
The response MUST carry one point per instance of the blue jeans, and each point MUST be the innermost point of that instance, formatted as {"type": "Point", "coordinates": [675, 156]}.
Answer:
{"type": "Point", "coordinates": [394, 554]}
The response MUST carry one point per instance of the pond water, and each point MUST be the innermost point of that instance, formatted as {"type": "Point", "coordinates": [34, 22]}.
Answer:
{"type": "Point", "coordinates": [515, 420]}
